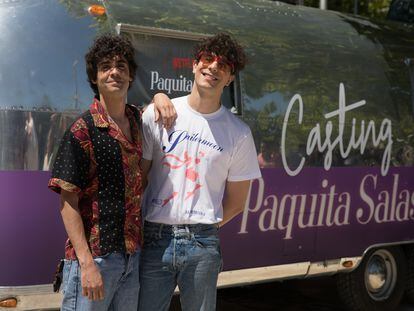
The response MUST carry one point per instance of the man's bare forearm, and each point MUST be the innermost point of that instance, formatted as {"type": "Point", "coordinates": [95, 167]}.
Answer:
{"type": "Point", "coordinates": [91, 279]}
{"type": "Point", "coordinates": [234, 200]}
{"type": "Point", "coordinates": [74, 226]}
{"type": "Point", "coordinates": [229, 213]}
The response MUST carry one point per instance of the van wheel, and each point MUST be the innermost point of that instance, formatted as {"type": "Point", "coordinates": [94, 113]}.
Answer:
{"type": "Point", "coordinates": [377, 284]}
{"type": "Point", "coordinates": [409, 287]}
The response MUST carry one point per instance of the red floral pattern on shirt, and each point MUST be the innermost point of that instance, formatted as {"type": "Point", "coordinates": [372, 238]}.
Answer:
{"type": "Point", "coordinates": [131, 153]}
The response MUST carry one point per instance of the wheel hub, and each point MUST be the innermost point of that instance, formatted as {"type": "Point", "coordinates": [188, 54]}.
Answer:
{"type": "Point", "coordinates": [380, 275]}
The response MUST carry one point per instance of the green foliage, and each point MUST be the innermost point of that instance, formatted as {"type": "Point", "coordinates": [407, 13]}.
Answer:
{"type": "Point", "coordinates": [79, 9]}
{"type": "Point", "coordinates": [368, 8]}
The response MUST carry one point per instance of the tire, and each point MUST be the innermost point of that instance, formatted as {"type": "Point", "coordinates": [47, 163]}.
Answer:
{"type": "Point", "coordinates": [409, 287]}
{"type": "Point", "coordinates": [378, 283]}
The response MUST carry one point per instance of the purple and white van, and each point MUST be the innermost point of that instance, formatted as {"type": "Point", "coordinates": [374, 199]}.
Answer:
{"type": "Point", "coordinates": [330, 101]}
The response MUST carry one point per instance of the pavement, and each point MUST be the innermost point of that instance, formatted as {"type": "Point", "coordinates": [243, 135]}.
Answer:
{"type": "Point", "coordinates": [318, 294]}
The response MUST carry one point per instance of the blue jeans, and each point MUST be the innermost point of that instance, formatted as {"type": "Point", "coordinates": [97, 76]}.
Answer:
{"type": "Point", "coordinates": [184, 255]}
{"type": "Point", "coordinates": [120, 274]}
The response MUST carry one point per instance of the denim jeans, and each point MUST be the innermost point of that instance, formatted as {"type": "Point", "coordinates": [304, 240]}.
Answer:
{"type": "Point", "coordinates": [184, 255]}
{"type": "Point", "coordinates": [120, 274]}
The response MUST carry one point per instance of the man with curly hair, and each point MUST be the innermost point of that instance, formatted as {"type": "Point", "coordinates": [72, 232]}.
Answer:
{"type": "Point", "coordinates": [199, 180]}
{"type": "Point", "coordinates": [97, 174]}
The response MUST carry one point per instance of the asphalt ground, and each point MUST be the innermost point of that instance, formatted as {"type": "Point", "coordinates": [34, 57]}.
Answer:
{"type": "Point", "coordinates": [317, 294]}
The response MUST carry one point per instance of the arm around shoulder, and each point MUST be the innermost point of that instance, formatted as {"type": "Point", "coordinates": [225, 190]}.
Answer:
{"type": "Point", "coordinates": [164, 107]}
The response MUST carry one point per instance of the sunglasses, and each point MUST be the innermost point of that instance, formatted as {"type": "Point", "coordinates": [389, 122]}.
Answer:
{"type": "Point", "coordinates": [223, 63]}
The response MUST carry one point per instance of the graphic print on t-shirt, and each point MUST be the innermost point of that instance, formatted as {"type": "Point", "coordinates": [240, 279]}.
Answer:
{"type": "Point", "coordinates": [179, 136]}
{"type": "Point", "coordinates": [188, 188]}
{"type": "Point", "coordinates": [175, 162]}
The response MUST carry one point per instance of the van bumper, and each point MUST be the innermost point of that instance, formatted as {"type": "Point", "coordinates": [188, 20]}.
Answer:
{"type": "Point", "coordinates": [33, 297]}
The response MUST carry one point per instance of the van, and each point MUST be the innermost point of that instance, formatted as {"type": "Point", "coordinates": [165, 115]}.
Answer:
{"type": "Point", "coordinates": [329, 98]}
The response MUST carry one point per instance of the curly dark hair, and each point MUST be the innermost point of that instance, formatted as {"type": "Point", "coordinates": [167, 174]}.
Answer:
{"type": "Point", "coordinates": [224, 45]}
{"type": "Point", "coordinates": [108, 46]}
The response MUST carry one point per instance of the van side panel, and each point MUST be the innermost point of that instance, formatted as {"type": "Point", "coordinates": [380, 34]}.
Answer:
{"type": "Point", "coordinates": [316, 201]}
{"type": "Point", "coordinates": [320, 216]}
{"type": "Point", "coordinates": [43, 87]}
{"type": "Point", "coordinates": [32, 233]}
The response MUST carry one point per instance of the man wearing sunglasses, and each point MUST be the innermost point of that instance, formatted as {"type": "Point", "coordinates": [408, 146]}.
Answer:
{"type": "Point", "coordinates": [199, 179]}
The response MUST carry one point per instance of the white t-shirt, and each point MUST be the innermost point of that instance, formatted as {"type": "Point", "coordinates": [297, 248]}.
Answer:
{"type": "Point", "coordinates": [191, 163]}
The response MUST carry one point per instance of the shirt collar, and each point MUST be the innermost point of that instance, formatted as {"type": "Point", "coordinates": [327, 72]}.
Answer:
{"type": "Point", "coordinates": [101, 119]}
{"type": "Point", "coordinates": [99, 114]}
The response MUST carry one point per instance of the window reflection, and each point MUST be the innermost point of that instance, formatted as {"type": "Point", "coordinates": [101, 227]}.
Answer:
{"type": "Point", "coordinates": [43, 82]}
{"type": "Point", "coordinates": [165, 65]}
{"type": "Point", "coordinates": [43, 42]}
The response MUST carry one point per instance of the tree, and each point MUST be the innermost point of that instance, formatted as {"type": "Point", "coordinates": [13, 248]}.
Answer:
{"type": "Point", "coordinates": [368, 8]}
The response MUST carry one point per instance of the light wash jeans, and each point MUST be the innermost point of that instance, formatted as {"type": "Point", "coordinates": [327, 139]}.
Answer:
{"type": "Point", "coordinates": [120, 274]}
{"type": "Point", "coordinates": [184, 255]}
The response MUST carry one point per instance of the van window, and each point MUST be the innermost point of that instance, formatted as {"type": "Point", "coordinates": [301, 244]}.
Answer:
{"type": "Point", "coordinates": [43, 83]}
{"type": "Point", "coordinates": [165, 65]}
{"type": "Point", "coordinates": [41, 62]}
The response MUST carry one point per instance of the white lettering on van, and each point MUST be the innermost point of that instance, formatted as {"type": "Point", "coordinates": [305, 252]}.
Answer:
{"type": "Point", "coordinates": [387, 206]}
{"type": "Point", "coordinates": [326, 209]}
{"type": "Point", "coordinates": [169, 84]}
{"type": "Point", "coordinates": [356, 141]}
{"type": "Point", "coordinates": [256, 207]}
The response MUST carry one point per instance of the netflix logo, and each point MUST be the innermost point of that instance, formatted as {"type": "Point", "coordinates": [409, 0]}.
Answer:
{"type": "Point", "coordinates": [179, 63]}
